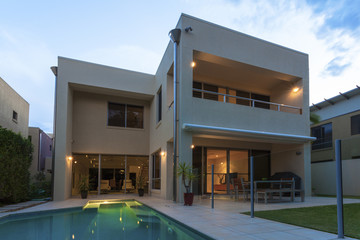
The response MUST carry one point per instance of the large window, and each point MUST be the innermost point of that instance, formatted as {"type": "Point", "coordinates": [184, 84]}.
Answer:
{"type": "Point", "coordinates": [156, 170]}
{"type": "Point", "coordinates": [323, 136]}
{"type": "Point", "coordinates": [355, 124]}
{"type": "Point", "coordinates": [124, 115]}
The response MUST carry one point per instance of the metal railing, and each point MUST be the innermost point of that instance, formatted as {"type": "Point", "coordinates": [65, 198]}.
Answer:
{"type": "Point", "coordinates": [278, 106]}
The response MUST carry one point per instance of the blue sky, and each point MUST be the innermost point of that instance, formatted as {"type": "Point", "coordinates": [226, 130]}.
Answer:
{"type": "Point", "coordinates": [119, 33]}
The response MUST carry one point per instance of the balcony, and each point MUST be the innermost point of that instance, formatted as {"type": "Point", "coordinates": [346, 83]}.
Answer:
{"type": "Point", "coordinates": [225, 80]}
{"type": "Point", "coordinates": [227, 95]}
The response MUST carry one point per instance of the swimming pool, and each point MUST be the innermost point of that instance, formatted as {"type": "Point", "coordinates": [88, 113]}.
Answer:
{"type": "Point", "coordinates": [115, 219]}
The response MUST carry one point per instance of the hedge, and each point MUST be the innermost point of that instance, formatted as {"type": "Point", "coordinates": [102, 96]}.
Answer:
{"type": "Point", "coordinates": [15, 160]}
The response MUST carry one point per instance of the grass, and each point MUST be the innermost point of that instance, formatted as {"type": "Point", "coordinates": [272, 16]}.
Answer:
{"type": "Point", "coordinates": [323, 218]}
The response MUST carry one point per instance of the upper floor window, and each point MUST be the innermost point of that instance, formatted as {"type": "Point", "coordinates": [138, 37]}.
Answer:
{"type": "Point", "coordinates": [14, 116]}
{"type": "Point", "coordinates": [216, 93]}
{"type": "Point", "coordinates": [125, 115]}
{"type": "Point", "coordinates": [355, 124]}
{"type": "Point", "coordinates": [323, 136]}
{"type": "Point", "coordinates": [159, 105]}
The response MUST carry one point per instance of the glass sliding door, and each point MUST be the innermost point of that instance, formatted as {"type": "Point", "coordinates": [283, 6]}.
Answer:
{"type": "Point", "coordinates": [112, 174]}
{"type": "Point", "coordinates": [85, 166]}
{"type": "Point", "coordinates": [239, 163]}
{"type": "Point", "coordinates": [218, 158]}
{"type": "Point", "coordinates": [137, 168]}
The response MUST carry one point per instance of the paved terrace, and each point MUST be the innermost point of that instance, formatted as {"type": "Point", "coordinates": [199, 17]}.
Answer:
{"type": "Point", "coordinates": [222, 222]}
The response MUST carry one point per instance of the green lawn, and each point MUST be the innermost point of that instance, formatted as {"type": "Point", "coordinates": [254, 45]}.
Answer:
{"type": "Point", "coordinates": [322, 218]}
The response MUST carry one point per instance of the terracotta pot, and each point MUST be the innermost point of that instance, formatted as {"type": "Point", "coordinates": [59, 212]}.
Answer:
{"type": "Point", "coordinates": [188, 199]}
{"type": "Point", "coordinates": [141, 192]}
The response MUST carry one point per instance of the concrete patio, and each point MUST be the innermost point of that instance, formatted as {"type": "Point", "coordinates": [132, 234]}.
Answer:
{"type": "Point", "coordinates": [222, 222]}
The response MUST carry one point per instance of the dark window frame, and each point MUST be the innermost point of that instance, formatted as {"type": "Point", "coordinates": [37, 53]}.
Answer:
{"type": "Point", "coordinates": [159, 105]}
{"type": "Point", "coordinates": [355, 124]}
{"type": "Point", "coordinates": [156, 170]}
{"type": "Point", "coordinates": [323, 133]}
{"type": "Point", "coordinates": [124, 120]}
{"type": "Point", "coordinates": [15, 116]}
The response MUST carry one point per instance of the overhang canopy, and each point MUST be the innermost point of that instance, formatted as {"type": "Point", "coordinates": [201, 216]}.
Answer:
{"type": "Point", "coordinates": [243, 133]}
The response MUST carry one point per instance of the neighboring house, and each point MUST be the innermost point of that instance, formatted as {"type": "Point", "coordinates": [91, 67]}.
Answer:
{"type": "Point", "coordinates": [14, 110]}
{"type": "Point", "coordinates": [235, 100]}
{"type": "Point", "coordinates": [42, 153]}
{"type": "Point", "coordinates": [339, 119]}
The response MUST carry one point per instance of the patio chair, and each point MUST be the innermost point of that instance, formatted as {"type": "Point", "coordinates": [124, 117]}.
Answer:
{"type": "Point", "coordinates": [129, 185]}
{"type": "Point", "coordinates": [245, 189]}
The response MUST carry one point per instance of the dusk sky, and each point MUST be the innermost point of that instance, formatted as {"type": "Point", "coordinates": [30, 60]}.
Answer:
{"type": "Point", "coordinates": [134, 34]}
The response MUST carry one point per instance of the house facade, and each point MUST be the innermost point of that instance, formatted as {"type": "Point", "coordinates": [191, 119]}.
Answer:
{"type": "Point", "coordinates": [14, 110]}
{"type": "Point", "coordinates": [237, 96]}
{"type": "Point", "coordinates": [42, 154]}
{"type": "Point", "coordinates": [339, 119]}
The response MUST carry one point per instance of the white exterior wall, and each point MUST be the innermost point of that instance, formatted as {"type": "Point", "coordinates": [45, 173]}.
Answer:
{"type": "Point", "coordinates": [324, 177]}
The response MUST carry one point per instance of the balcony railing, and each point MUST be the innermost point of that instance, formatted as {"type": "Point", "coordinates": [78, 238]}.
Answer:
{"type": "Point", "coordinates": [251, 102]}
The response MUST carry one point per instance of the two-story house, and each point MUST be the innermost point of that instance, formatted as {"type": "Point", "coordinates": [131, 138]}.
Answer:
{"type": "Point", "coordinates": [339, 119]}
{"type": "Point", "coordinates": [237, 96]}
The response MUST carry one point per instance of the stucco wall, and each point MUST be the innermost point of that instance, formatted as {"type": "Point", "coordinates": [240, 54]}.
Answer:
{"type": "Point", "coordinates": [92, 135]}
{"type": "Point", "coordinates": [11, 101]}
{"type": "Point", "coordinates": [324, 177]}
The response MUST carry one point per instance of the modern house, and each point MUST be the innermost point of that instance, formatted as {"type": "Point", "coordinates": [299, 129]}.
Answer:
{"type": "Point", "coordinates": [42, 153]}
{"type": "Point", "coordinates": [339, 119]}
{"type": "Point", "coordinates": [14, 110]}
{"type": "Point", "coordinates": [237, 96]}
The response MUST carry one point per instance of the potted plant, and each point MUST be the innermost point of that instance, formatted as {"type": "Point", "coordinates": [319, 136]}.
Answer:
{"type": "Point", "coordinates": [186, 172]}
{"type": "Point", "coordinates": [83, 187]}
{"type": "Point", "coordinates": [141, 182]}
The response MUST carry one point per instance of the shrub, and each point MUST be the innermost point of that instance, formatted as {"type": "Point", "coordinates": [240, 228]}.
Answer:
{"type": "Point", "coordinates": [15, 160]}
{"type": "Point", "coordinates": [40, 188]}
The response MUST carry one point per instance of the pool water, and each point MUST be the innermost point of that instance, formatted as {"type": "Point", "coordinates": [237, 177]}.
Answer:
{"type": "Point", "coordinates": [97, 220]}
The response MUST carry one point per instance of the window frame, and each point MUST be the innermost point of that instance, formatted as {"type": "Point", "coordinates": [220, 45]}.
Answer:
{"type": "Point", "coordinates": [154, 175]}
{"type": "Point", "coordinates": [126, 122]}
{"type": "Point", "coordinates": [355, 124]}
{"type": "Point", "coordinates": [159, 105]}
{"type": "Point", "coordinates": [15, 116]}
{"type": "Point", "coordinates": [324, 142]}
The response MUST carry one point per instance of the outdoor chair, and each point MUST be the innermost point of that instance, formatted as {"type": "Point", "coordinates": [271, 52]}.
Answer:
{"type": "Point", "coordinates": [245, 189]}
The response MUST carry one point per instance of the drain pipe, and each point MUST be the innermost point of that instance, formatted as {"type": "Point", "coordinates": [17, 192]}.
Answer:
{"type": "Point", "coordinates": [175, 38]}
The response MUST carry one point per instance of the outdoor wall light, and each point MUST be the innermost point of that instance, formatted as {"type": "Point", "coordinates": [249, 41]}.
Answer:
{"type": "Point", "coordinates": [192, 146]}
{"type": "Point", "coordinates": [70, 158]}
{"type": "Point", "coordinates": [296, 89]}
{"type": "Point", "coordinates": [162, 153]}
{"type": "Point", "coordinates": [193, 64]}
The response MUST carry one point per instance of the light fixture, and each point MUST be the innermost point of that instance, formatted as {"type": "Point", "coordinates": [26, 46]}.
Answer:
{"type": "Point", "coordinates": [138, 166]}
{"type": "Point", "coordinates": [296, 89]}
{"type": "Point", "coordinates": [75, 162]}
{"type": "Point", "coordinates": [162, 153]}
{"type": "Point", "coordinates": [192, 146]}
{"type": "Point", "coordinates": [193, 64]}
{"type": "Point", "coordinates": [70, 158]}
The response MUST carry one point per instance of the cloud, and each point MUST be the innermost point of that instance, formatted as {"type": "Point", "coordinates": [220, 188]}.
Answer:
{"type": "Point", "coordinates": [335, 67]}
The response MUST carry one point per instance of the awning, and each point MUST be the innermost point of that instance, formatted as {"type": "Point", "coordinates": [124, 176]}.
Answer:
{"type": "Point", "coordinates": [243, 133]}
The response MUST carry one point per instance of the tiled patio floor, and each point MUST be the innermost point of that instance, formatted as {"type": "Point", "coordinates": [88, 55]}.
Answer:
{"type": "Point", "coordinates": [222, 222]}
